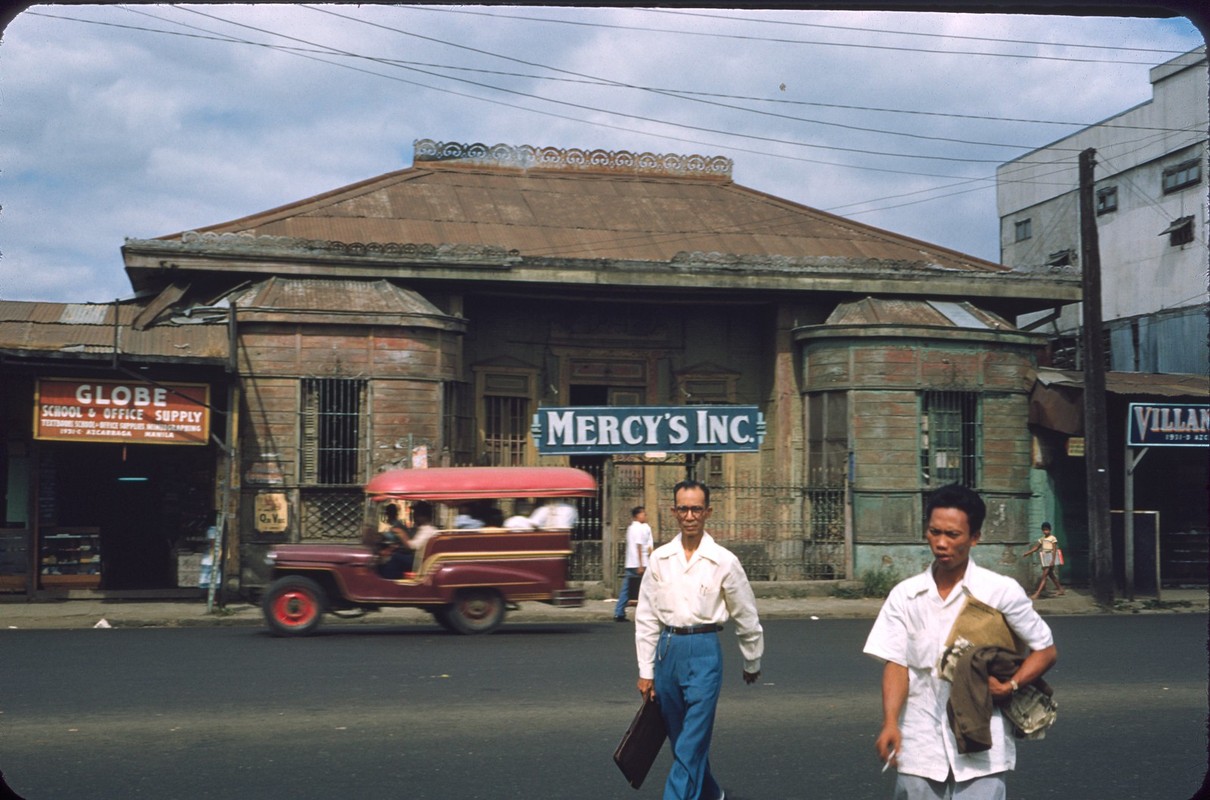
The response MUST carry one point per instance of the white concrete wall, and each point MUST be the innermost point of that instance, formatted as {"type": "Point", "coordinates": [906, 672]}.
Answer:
{"type": "Point", "coordinates": [1141, 272]}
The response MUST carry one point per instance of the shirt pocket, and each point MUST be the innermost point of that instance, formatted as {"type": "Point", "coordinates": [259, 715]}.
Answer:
{"type": "Point", "coordinates": [706, 601]}
{"type": "Point", "coordinates": [921, 650]}
{"type": "Point", "coordinates": [661, 595]}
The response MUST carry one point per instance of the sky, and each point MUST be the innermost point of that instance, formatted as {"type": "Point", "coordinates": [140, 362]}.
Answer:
{"type": "Point", "coordinates": [137, 121]}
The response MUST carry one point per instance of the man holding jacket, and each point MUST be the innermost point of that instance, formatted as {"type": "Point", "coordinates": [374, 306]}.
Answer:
{"type": "Point", "coordinates": [910, 636]}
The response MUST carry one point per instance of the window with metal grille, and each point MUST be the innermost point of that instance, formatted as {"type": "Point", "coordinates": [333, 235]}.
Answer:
{"type": "Point", "coordinates": [827, 438]}
{"type": "Point", "coordinates": [505, 430]}
{"type": "Point", "coordinates": [330, 442]}
{"type": "Point", "coordinates": [949, 438]}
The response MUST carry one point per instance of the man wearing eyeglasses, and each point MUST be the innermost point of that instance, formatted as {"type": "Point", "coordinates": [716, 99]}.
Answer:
{"type": "Point", "coordinates": [691, 587]}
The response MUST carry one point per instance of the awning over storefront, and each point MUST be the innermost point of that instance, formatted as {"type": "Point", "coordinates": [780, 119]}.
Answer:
{"type": "Point", "coordinates": [1056, 401]}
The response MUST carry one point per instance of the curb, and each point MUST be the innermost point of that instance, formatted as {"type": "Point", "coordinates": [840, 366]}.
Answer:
{"type": "Point", "coordinates": [773, 601]}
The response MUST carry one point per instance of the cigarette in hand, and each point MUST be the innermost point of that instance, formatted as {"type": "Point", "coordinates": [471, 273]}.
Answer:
{"type": "Point", "coordinates": [887, 765]}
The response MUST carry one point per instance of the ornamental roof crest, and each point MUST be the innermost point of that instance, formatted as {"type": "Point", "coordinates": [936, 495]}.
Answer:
{"type": "Point", "coordinates": [527, 157]}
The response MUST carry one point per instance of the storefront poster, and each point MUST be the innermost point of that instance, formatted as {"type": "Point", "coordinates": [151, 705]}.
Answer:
{"type": "Point", "coordinates": [129, 412]}
{"type": "Point", "coordinates": [272, 512]}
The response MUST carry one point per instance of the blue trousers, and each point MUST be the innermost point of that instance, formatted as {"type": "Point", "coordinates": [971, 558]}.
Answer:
{"type": "Point", "coordinates": [688, 678]}
{"type": "Point", "coordinates": [619, 610]}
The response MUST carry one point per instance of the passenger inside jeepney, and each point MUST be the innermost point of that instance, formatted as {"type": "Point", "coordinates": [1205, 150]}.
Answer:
{"type": "Point", "coordinates": [402, 545]}
{"type": "Point", "coordinates": [519, 521]}
{"type": "Point", "coordinates": [422, 530]}
{"type": "Point", "coordinates": [468, 517]}
{"type": "Point", "coordinates": [395, 544]}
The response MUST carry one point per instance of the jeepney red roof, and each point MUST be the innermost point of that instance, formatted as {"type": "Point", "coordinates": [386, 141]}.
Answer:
{"type": "Point", "coordinates": [470, 483]}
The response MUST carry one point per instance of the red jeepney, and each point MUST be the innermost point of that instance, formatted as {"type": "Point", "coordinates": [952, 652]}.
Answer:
{"type": "Point", "coordinates": [466, 579]}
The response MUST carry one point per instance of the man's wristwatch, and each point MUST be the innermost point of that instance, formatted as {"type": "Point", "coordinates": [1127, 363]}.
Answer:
{"type": "Point", "coordinates": [1013, 683]}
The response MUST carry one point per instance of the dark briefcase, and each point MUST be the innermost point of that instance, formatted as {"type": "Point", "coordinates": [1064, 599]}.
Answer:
{"type": "Point", "coordinates": [641, 743]}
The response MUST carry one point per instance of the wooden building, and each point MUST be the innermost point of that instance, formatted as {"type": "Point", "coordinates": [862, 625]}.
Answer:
{"type": "Point", "coordinates": [423, 316]}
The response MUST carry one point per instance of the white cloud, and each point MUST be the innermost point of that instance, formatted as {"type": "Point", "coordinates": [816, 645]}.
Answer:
{"type": "Point", "coordinates": [110, 132]}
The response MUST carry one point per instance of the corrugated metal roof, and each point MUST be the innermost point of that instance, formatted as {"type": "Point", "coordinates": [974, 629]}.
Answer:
{"type": "Point", "coordinates": [1134, 383]}
{"type": "Point", "coordinates": [893, 311]}
{"type": "Point", "coordinates": [322, 300]}
{"type": "Point", "coordinates": [576, 214]}
{"type": "Point", "coordinates": [50, 328]}
{"type": "Point", "coordinates": [318, 294]}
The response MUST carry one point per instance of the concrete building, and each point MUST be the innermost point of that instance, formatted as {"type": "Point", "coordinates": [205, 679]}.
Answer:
{"type": "Point", "coordinates": [1150, 198]}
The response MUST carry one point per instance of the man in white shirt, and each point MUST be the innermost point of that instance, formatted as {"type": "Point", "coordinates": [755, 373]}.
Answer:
{"type": "Point", "coordinates": [910, 635]}
{"type": "Point", "coordinates": [520, 521]}
{"type": "Point", "coordinates": [555, 514]}
{"type": "Point", "coordinates": [692, 586]}
{"type": "Point", "coordinates": [638, 548]}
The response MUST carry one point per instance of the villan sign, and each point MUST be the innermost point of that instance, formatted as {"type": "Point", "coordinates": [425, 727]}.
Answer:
{"type": "Point", "coordinates": [1168, 425]}
{"type": "Point", "coordinates": [612, 430]}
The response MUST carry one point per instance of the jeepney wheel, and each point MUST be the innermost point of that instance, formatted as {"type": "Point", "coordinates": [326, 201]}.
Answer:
{"type": "Point", "coordinates": [293, 606]}
{"type": "Point", "coordinates": [476, 611]}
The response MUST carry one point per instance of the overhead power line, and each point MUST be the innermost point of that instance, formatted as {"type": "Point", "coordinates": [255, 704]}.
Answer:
{"type": "Point", "coordinates": [427, 69]}
{"type": "Point", "coordinates": [814, 43]}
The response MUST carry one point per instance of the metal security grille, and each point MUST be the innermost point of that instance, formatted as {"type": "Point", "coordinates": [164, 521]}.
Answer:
{"type": "Point", "coordinates": [949, 438]}
{"type": "Point", "coordinates": [587, 560]}
{"type": "Point", "coordinates": [505, 430]}
{"type": "Point", "coordinates": [330, 440]}
{"type": "Point", "coordinates": [331, 515]}
{"type": "Point", "coordinates": [586, 563]}
{"type": "Point", "coordinates": [779, 532]}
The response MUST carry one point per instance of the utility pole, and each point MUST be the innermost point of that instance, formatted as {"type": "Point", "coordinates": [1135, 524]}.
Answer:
{"type": "Point", "coordinates": [1096, 439]}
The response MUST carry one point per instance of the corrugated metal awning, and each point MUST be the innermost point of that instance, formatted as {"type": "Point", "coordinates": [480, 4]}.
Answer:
{"type": "Point", "coordinates": [1056, 401]}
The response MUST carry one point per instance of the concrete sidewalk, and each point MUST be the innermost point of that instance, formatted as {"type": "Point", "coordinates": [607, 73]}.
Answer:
{"type": "Point", "coordinates": [775, 601]}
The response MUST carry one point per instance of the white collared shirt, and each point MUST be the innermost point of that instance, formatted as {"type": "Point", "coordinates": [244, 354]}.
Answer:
{"type": "Point", "coordinates": [638, 544]}
{"type": "Point", "coordinates": [911, 630]}
{"type": "Point", "coordinates": [558, 515]}
{"type": "Point", "coordinates": [711, 587]}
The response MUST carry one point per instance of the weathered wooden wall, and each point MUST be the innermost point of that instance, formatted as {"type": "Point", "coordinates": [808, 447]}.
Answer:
{"type": "Point", "coordinates": [884, 378]}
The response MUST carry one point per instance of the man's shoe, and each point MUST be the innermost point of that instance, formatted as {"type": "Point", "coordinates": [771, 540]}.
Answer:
{"type": "Point", "coordinates": [620, 619]}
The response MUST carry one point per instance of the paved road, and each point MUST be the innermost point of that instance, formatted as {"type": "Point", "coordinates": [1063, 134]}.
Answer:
{"type": "Point", "coordinates": [534, 711]}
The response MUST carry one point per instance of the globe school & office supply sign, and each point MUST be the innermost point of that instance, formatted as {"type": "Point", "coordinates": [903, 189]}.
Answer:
{"type": "Point", "coordinates": [1168, 425]}
{"type": "Point", "coordinates": [130, 412]}
{"type": "Point", "coordinates": [613, 430]}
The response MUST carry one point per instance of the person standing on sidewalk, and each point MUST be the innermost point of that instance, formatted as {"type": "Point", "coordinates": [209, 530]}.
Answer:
{"type": "Point", "coordinates": [692, 586]}
{"type": "Point", "coordinates": [1047, 549]}
{"type": "Point", "coordinates": [638, 549]}
{"type": "Point", "coordinates": [909, 637]}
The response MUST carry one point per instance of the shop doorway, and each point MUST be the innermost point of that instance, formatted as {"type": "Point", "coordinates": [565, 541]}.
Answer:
{"type": "Point", "coordinates": [114, 517]}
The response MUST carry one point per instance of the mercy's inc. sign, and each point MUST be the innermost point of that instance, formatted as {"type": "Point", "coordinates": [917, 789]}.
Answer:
{"type": "Point", "coordinates": [611, 430]}
{"type": "Point", "coordinates": [121, 411]}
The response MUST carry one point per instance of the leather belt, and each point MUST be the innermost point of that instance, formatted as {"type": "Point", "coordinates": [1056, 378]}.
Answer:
{"type": "Point", "coordinates": [712, 628]}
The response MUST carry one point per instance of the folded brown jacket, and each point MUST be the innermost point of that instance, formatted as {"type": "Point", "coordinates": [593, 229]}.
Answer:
{"type": "Point", "coordinates": [970, 704]}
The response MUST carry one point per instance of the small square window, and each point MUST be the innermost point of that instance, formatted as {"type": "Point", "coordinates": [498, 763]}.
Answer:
{"type": "Point", "coordinates": [1107, 200]}
{"type": "Point", "coordinates": [1179, 232]}
{"type": "Point", "coordinates": [1186, 173]}
{"type": "Point", "coordinates": [1023, 230]}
